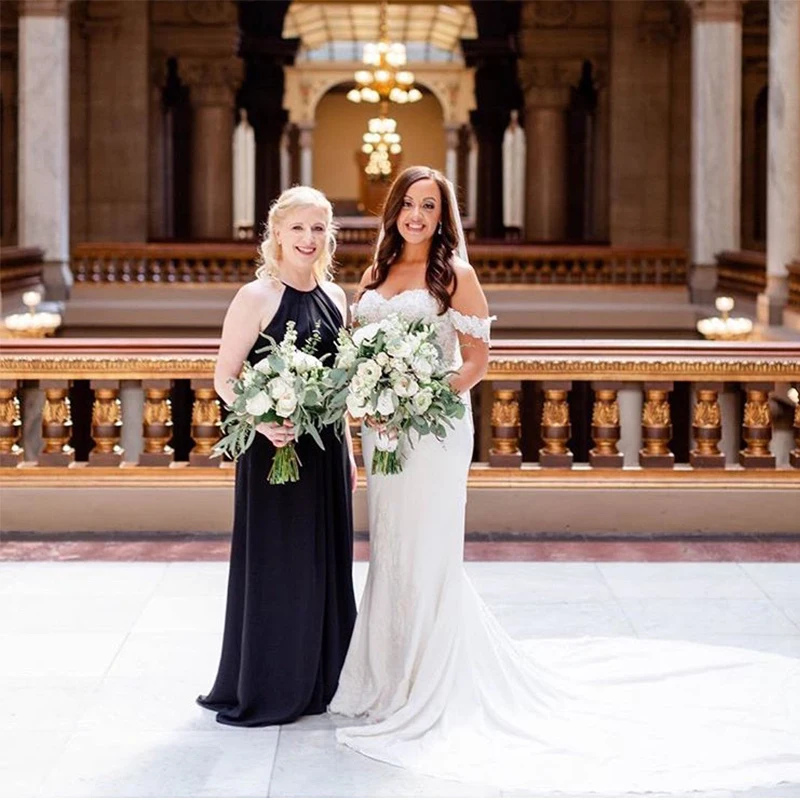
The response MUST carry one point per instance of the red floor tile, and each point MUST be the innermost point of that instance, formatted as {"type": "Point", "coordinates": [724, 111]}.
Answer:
{"type": "Point", "coordinates": [218, 549]}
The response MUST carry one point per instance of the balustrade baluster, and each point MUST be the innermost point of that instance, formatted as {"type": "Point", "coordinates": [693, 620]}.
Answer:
{"type": "Point", "coordinates": [106, 424]}
{"type": "Point", "coordinates": [10, 425]}
{"type": "Point", "coordinates": [605, 426]}
{"type": "Point", "coordinates": [656, 427]}
{"type": "Point", "coordinates": [707, 428]}
{"type": "Point", "coordinates": [794, 456]}
{"type": "Point", "coordinates": [56, 425]}
{"type": "Point", "coordinates": [556, 427]}
{"type": "Point", "coordinates": [206, 421]}
{"type": "Point", "coordinates": [157, 424]}
{"type": "Point", "coordinates": [506, 426]}
{"type": "Point", "coordinates": [757, 427]}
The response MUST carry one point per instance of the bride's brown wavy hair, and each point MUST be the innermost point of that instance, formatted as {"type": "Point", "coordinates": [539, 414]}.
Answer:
{"type": "Point", "coordinates": [440, 276]}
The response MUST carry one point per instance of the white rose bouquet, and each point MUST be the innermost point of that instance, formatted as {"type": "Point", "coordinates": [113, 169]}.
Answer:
{"type": "Point", "coordinates": [391, 372]}
{"type": "Point", "coordinates": [288, 384]}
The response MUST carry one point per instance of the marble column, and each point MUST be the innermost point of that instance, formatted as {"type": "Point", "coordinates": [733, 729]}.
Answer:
{"type": "Point", "coordinates": [472, 176]}
{"type": "Point", "coordinates": [547, 91]}
{"type": "Point", "coordinates": [716, 137]}
{"type": "Point", "coordinates": [212, 84]}
{"type": "Point", "coordinates": [43, 141]}
{"type": "Point", "coordinates": [306, 143]}
{"type": "Point", "coordinates": [630, 402]}
{"type": "Point", "coordinates": [783, 156]}
{"type": "Point", "coordinates": [451, 140]}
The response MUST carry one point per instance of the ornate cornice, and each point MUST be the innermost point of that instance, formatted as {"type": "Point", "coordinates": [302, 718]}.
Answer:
{"type": "Point", "coordinates": [211, 81]}
{"type": "Point", "coordinates": [73, 367]}
{"type": "Point", "coordinates": [547, 82]}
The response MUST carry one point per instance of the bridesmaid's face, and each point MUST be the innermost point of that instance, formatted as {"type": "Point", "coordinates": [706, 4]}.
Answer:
{"type": "Point", "coordinates": [302, 234]}
{"type": "Point", "coordinates": [421, 211]}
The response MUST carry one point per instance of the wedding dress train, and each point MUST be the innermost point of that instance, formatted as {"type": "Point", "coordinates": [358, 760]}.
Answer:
{"type": "Point", "coordinates": [446, 692]}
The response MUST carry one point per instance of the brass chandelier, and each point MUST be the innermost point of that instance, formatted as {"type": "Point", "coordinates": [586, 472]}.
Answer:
{"type": "Point", "coordinates": [384, 79]}
{"type": "Point", "coordinates": [381, 142]}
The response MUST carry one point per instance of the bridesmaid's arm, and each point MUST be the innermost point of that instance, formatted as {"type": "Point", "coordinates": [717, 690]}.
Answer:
{"type": "Point", "coordinates": [470, 300]}
{"type": "Point", "coordinates": [255, 303]}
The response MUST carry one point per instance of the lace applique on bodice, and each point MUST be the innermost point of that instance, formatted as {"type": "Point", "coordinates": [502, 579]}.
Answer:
{"type": "Point", "coordinates": [420, 304]}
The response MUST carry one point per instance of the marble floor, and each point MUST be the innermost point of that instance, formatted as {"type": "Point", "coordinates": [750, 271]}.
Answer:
{"type": "Point", "coordinates": [100, 662]}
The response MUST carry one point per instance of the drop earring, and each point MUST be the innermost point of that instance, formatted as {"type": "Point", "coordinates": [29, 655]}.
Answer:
{"type": "Point", "coordinates": [440, 228]}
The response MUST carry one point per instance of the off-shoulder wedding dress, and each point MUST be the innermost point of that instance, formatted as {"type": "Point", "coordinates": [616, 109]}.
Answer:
{"type": "Point", "coordinates": [445, 691]}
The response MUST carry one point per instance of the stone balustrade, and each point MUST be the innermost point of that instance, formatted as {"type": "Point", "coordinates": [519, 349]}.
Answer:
{"type": "Point", "coordinates": [742, 272]}
{"type": "Point", "coordinates": [496, 263]}
{"type": "Point", "coordinates": [147, 407]}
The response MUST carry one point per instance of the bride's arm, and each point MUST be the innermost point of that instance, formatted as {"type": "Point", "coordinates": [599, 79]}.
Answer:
{"type": "Point", "coordinates": [470, 317]}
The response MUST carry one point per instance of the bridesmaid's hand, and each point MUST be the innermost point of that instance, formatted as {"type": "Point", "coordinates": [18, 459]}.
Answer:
{"type": "Point", "coordinates": [279, 435]}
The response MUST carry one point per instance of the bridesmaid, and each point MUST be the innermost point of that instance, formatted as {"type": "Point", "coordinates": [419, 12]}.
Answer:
{"type": "Point", "coordinates": [290, 609]}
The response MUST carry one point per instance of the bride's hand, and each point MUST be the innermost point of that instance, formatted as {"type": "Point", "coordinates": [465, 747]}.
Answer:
{"type": "Point", "coordinates": [279, 435]}
{"type": "Point", "coordinates": [381, 427]}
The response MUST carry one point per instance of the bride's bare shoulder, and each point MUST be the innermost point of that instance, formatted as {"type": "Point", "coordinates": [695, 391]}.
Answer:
{"type": "Point", "coordinates": [462, 268]}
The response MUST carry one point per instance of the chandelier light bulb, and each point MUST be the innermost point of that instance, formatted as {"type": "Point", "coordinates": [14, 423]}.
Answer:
{"type": "Point", "coordinates": [354, 96]}
{"type": "Point", "coordinates": [405, 78]}
{"type": "Point", "coordinates": [414, 95]}
{"type": "Point", "coordinates": [363, 76]}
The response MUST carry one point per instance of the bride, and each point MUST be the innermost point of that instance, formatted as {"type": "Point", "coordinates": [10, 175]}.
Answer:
{"type": "Point", "coordinates": [439, 685]}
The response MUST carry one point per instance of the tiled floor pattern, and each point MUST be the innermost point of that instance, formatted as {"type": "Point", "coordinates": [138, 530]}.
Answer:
{"type": "Point", "coordinates": [100, 663]}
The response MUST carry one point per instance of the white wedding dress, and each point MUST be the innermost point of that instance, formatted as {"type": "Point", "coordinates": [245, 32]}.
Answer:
{"type": "Point", "coordinates": [446, 692]}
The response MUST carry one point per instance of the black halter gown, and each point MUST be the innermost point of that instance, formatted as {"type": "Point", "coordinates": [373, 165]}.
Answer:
{"type": "Point", "coordinates": [290, 609]}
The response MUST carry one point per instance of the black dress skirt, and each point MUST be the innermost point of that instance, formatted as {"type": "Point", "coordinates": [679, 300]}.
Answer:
{"type": "Point", "coordinates": [290, 609]}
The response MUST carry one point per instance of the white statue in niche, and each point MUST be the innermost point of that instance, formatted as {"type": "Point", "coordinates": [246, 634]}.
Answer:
{"type": "Point", "coordinates": [244, 177]}
{"type": "Point", "coordinates": [514, 174]}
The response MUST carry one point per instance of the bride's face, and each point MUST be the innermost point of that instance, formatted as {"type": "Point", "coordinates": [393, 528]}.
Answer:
{"type": "Point", "coordinates": [302, 234]}
{"type": "Point", "coordinates": [420, 212]}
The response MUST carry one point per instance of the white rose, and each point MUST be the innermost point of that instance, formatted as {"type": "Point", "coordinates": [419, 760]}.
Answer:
{"type": "Point", "coordinates": [422, 368]}
{"type": "Point", "coordinates": [286, 404]}
{"type": "Point", "coordinates": [382, 359]}
{"type": "Point", "coordinates": [358, 387]}
{"type": "Point", "coordinates": [428, 351]}
{"type": "Point", "coordinates": [258, 404]}
{"type": "Point", "coordinates": [263, 366]}
{"type": "Point", "coordinates": [387, 402]}
{"type": "Point", "coordinates": [356, 406]}
{"type": "Point", "coordinates": [305, 362]}
{"type": "Point", "coordinates": [365, 332]}
{"type": "Point", "coordinates": [405, 386]}
{"type": "Point", "coordinates": [399, 348]}
{"type": "Point", "coordinates": [398, 365]}
{"type": "Point", "coordinates": [369, 372]}
{"type": "Point", "coordinates": [278, 387]}
{"type": "Point", "coordinates": [421, 401]}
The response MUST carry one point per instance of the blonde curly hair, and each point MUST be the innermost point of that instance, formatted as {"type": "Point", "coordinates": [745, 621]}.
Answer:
{"type": "Point", "coordinates": [269, 249]}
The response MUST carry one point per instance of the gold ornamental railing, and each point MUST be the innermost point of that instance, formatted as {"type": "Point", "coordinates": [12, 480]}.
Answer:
{"type": "Point", "coordinates": [77, 401]}
{"type": "Point", "coordinates": [501, 263]}
{"type": "Point", "coordinates": [742, 272]}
